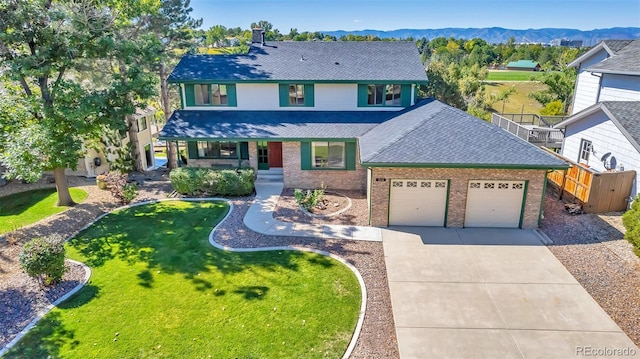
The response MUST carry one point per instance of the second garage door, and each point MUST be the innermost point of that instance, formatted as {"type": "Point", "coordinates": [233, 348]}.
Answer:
{"type": "Point", "coordinates": [494, 203]}
{"type": "Point", "coordinates": [418, 202]}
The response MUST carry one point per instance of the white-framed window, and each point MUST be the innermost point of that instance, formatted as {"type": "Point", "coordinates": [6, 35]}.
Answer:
{"type": "Point", "coordinates": [393, 95]}
{"type": "Point", "coordinates": [328, 155]}
{"type": "Point", "coordinates": [215, 94]}
{"type": "Point", "coordinates": [375, 95]}
{"type": "Point", "coordinates": [296, 95]}
{"type": "Point", "coordinates": [142, 123]}
{"type": "Point", "coordinates": [585, 150]}
{"type": "Point", "coordinates": [217, 149]}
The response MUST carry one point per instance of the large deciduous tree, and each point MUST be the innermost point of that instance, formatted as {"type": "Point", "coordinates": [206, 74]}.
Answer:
{"type": "Point", "coordinates": [173, 27]}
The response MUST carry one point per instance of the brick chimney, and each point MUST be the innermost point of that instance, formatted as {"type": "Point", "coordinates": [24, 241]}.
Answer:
{"type": "Point", "coordinates": [257, 36]}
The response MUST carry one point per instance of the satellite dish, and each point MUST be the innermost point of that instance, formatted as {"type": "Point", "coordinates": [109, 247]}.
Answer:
{"type": "Point", "coordinates": [605, 156]}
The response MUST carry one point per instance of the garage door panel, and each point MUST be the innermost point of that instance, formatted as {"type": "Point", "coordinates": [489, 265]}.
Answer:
{"type": "Point", "coordinates": [492, 203]}
{"type": "Point", "coordinates": [417, 202]}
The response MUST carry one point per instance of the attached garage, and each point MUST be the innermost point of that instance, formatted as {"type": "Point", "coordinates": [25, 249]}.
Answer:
{"type": "Point", "coordinates": [418, 202]}
{"type": "Point", "coordinates": [495, 203]}
{"type": "Point", "coordinates": [474, 174]}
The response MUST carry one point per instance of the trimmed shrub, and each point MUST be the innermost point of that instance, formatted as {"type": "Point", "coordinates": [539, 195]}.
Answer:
{"type": "Point", "coordinates": [631, 221]}
{"type": "Point", "coordinates": [120, 189]}
{"type": "Point", "coordinates": [228, 182]}
{"type": "Point", "coordinates": [43, 259]}
{"type": "Point", "coordinates": [308, 199]}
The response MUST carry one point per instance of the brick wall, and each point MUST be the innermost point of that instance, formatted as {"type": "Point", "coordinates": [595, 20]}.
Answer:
{"type": "Point", "coordinates": [459, 178]}
{"type": "Point", "coordinates": [295, 177]}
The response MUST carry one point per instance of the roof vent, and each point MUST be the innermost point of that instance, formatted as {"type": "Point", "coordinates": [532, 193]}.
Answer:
{"type": "Point", "coordinates": [337, 63]}
{"type": "Point", "coordinates": [302, 58]}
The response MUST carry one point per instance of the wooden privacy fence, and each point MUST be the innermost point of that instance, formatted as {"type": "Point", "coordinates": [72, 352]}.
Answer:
{"type": "Point", "coordinates": [597, 192]}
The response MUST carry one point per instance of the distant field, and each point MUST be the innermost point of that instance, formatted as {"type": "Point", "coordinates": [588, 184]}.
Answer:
{"type": "Point", "coordinates": [518, 99]}
{"type": "Point", "coordinates": [508, 75]}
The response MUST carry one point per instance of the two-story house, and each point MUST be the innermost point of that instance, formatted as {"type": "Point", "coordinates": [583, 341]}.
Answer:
{"type": "Point", "coordinates": [346, 115]}
{"type": "Point", "coordinates": [97, 161]}
{"type": "Point", "coordinates": [603, 131]}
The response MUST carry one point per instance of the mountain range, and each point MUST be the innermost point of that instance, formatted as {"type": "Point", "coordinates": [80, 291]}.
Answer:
{"type": "Point", "coordinates": [497, 35]}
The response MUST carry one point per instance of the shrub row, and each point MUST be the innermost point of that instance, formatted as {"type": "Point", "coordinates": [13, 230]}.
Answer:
{"type": "Point", "coordinates": [198, 181]}
{"type": "Point", "coordinates": [631, 221]}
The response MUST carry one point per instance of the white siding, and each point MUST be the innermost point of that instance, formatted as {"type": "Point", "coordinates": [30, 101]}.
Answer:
{"type": "Point", "coordinates": [605, 137]}
{"type": "Point", "coordinates": [620, 88]}
{"type": "Point", "coordinates": [587, 85]}
{"type": "Point", "coordinates": [266, 97]}
{"type": "Point", "coordinates": [336, 97]}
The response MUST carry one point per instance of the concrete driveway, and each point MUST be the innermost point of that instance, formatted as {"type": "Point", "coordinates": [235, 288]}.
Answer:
{"type": "Point", "coordinates": [491, 293]}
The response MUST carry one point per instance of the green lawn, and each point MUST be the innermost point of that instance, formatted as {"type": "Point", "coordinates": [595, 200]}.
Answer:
{"type": "Point", "coordinates": [509, 75]}
{"type": "Point", "coordinates": [159, 289]}
{"type": "Point", "coordinates": [21, 209]}
{"type": "Point", "coordinates": [518, 102]}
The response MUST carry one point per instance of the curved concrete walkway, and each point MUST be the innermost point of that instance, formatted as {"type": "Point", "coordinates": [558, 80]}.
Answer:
{"type": "Point", "coordinates": [259, 218]}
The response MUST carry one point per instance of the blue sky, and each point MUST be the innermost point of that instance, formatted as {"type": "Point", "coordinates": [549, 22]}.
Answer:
{"type": "Point", "coordinates": [318, 15]}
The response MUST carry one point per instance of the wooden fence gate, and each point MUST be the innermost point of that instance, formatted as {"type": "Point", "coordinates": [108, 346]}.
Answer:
{"type": "Point", "coordinates": [597, 192]}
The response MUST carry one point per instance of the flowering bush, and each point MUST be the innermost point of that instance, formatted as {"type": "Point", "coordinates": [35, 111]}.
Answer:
{"type": "Point", "coordinates": [43, 259]}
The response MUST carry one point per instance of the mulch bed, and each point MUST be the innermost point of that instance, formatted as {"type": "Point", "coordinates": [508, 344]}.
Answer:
{"type": "Point", "coordinates": [592, 247]}
{"type": "Point", "coordinates": [288, 210]}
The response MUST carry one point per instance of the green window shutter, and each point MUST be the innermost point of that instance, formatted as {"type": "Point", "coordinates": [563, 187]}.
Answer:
{"type": "Point", "coordinates": [190, 94]}
{"type": "Point", "coordinates": [309, 97]}
{"type": "Point", "coordinates": [244, 150]}
{"type": "Point", "coordinates": [305, 153]}
{"type": "Point", "coordinates": [231, 95]}
{"type": "Point", "coordinates": [405, 95]}
{"type": "Point", "coordinates": [192, 149]}
{"type": "Point", "coordinates": [181, 97]}
{"type": "Point", "coordinates": [284, 95]}
{"type": "Point", "coordinates": [363, 94]}
{"type": "Point", "coordinates": [350, 155]}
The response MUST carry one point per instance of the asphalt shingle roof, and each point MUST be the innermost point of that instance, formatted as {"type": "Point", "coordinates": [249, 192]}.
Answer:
{"type": "Point", "coordinates": [624, 61]}
{"type": "Point", "coordinates": [308, 61]}
{"type": "Point", "coordinates": [432, 133]}
{"type": "Point", "coordinates": [627, 113]}
{"type": "Point", "coordinates": [270, 124]}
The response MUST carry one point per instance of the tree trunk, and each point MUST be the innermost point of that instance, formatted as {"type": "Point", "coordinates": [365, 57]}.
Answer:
{"type": "Point", "coordinates": [172, 155]}
{"type": "Point", "coordinates": [64, 197]}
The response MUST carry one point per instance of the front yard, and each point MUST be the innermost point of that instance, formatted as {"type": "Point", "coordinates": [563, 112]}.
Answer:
{"type": "Point", "coordinates": [159, 289]}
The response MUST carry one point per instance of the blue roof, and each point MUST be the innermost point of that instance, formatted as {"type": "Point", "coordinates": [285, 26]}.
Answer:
{"type": "Point", "coordinates": [283, 125]}
{"type": "Point", "coordinates": [308, 61]}
{"type": "Point", "coordinates": [434, 134]}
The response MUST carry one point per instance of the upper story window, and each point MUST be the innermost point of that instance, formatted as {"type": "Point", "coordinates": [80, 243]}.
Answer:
{"type": "Point", "coordinates": [585, 150]}
{"type": "Point", "coordinates": [294, 95]}
{"type": "Point", "coordinates": [392, 95]}
{"type": "Point", "coordinates": [210, 94]}
{"type": "Point", "coordinates": [142, 123]}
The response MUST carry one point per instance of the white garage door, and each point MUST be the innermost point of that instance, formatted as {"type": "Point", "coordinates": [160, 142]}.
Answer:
{"type": "Point", "coordinates": [494, 204]}
{"type": "Point", "coordinates": [417, 202]}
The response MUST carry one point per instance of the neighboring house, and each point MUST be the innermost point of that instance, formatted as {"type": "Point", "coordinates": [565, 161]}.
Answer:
{"type": "Point", "coordinates": [605, 137]}
{"type": "Point", "coordinates": [344, 114]}
{"type": "Point", "coordinates": [97, 162]}
{"type": "Point", "coordinates": [523, 65]}
{"type": "Point", "coordinates": [602, 132]}
{"type": "Point", "coordinates": [610, 71]}
{"type": "Point", "coordinates": [566, 42]}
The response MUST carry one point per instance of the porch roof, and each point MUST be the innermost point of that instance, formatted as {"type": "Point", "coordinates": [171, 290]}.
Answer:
{"type": "Point", "coordinates": [271, 125]}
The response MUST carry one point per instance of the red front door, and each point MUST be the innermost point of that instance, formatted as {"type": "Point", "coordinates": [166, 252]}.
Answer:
{"type": "Point", "coordinates": [275, 154]}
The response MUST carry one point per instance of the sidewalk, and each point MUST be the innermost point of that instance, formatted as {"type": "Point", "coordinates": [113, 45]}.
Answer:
{"type": "Point", "coordinates": [259, 218]}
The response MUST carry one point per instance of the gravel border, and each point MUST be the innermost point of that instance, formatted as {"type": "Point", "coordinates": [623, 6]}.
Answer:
{"type": "Point", "coordinates": [21, 297]}
{"type": "Point", "coordinates": [377, 338]}
{"type": "Point", "coordinates": [592, 248]}
{"type": "Point", "coordinates": [287, 210]}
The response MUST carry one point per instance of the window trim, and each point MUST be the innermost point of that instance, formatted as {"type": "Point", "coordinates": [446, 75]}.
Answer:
{"type": "Point", "coordinates": [584, 151]}
{"type": "Point", "coordinates": [400, 94]}
{"type": "Point", "coordinates": [285, 94]}
{"type": "Point", "coordinates": [218, 150]}
{"type": "Point", "coordinates": [146, 124]}
{"type": "Point", "coordinates": [212, 94]}
{"type": "Point", "coordinates": [328, 146]}
{"type": "Point", "coordinates": [298, 90]}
